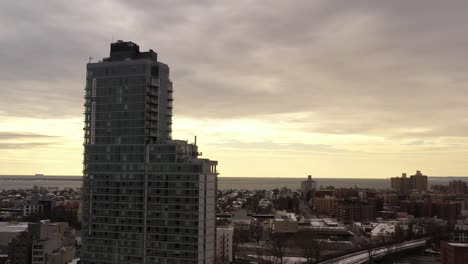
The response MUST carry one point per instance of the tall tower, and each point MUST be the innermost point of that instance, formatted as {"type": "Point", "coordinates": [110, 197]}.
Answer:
{"type": "Point", "coordinates": [146, 198]}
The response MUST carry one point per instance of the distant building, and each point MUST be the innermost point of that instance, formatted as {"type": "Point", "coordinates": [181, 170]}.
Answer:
{"type": "Point", "coordinates": [285, 222]}
{"type": "Point", "coordinates": [460, 232]}
{"type": "Point", "coordinates": [349, 211]}
{"type": "Point", "coordinates": [325, 205]}
{"type": "Point", "coordinates": [390, 199]}
{"type": "Point", "coordinates": [400, 184]}
{"type": "Point", "coordinates": [325, 227]}
{"type": "Point", "coordinates": [449, 210]}
{"type": "Point", "coordinates": [418, 182]}
{"type": "Point", "coordinates": [224, 239]}
{"type": "Point", "coordinates": [307, 188]}
{"type": "Point", "coordinates": [405, 185]}
{"type": "Point", "coordinates": [457, 187]}
{"type": "Point", "coordinates": [38, 206]}
{"type": "Point", "coordinates": [454, 252]}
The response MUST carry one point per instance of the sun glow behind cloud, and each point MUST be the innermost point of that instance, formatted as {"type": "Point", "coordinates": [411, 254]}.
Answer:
{"type": "Point", "coordinates": [333, 89]}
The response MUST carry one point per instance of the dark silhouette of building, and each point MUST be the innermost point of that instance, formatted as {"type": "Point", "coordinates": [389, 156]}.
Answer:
{"type": "Point", "coordinates": [457, 187]}
{"type": "Point", "coordinates": [349, 211]}
{"type": "Point", "coordinates": [307, 188]}
{"type": "Point", "coordinates": [418, 182]}
{"type": "Point", "coordinates": [405, 185]}
{"type": "Point", "coordinates": [146, 198]}
{"type": "Point", "coordinates": [19, 248]}
{"type": "Point", "coordinates": [400, 184]}
{"type": "Point", "coordinates": [448, 210]}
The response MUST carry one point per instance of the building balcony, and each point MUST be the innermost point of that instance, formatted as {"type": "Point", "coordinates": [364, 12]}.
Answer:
{"type": "Point", "coordinates": [154, 82]}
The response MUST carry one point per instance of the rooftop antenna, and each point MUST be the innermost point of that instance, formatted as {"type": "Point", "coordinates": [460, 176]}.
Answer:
{"type": "Point", "coordinates": [195, 141]}
{"type": "Point", "coordinates": [112, 38]}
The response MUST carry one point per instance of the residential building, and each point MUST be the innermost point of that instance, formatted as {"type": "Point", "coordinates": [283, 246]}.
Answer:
{"type": "Point", "coordinates": [400, 184]}
{"type": "Point", "coordinates": [349, 211]}
{"type": "Point", "coordinates": [325, 205]}
{"type": "Point", "coordinates": [63, 256]}
{"type": "Point", "coordinates": [146, 198]}
{"type": "Point", "coordinates": [460, 232]}
{"type": "Point", "coordinates": [224, 239]}
{"type": "Point", "coordinates": [405, 185]}
{"type": "Point", "coordinates": [307, 188]}
{"type": "Point", "coordinates": [49, 243]}
{"type": "Point", "coordinates": [38, 206]}
{"type": "Point", "coordinates": [390, 199]}
{"type": "Point", "coordinates": [285, 222]}
{"type": "Point", "coordinates": [457, 187]}
{"type": "Point", "coordinates": [418, 182]}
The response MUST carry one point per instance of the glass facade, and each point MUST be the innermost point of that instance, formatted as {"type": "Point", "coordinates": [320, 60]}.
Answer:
{"type": "Point", "coordinates": [147, 198]}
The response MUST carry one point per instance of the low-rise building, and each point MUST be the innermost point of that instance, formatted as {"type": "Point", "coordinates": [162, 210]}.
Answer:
{"type": "Point", "coordinates": [325, 228]}
{"type": "Point", "coordinates": [63, 256]}
{"type": "Point", "coordinates": [460, 232]}
{"type": "Point", "coordinates": [285, 222]}
{"type": "Point", "coordinates": [50, 244]}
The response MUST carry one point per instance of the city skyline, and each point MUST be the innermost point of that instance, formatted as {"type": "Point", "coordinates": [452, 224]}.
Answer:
{"type": "Point", "coordinates": [375, 88]}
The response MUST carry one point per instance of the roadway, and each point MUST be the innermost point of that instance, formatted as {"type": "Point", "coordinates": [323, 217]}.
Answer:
{"type": "Point", "coordinates": [363, 256]}
{"type": "Point", "coordinates": [305, 210]}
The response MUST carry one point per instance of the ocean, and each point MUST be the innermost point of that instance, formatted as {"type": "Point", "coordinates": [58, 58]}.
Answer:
{"type": "Point", "coordinates": [249, 183]}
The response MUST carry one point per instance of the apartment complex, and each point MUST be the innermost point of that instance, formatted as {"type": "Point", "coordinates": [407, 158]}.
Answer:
{"type": "Point", "coordinates": [307, 188]}
{"type": "Point", "coordinates": [49, 242]}
{"type": "Point", "coordinates": [457, 187]}
{"type": "Point", "coordinates": [349, 211]}
{"type": "Point", "coordinates": [405, 185]}
{"type": "Point", "coordinates": [146, 198]}
{"type": "Point", "coordinates": [224, 239]}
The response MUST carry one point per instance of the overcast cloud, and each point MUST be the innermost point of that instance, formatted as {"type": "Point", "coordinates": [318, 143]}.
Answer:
{"type": "Point", "coordinates": [390, 69]}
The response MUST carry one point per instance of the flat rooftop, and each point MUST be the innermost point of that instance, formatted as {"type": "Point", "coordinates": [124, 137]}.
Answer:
{"type": "Point", "coordinates": [13, 227]}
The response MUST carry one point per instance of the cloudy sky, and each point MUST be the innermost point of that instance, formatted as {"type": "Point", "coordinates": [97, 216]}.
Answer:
{"type": "Point", "coordinates": [271, 88]}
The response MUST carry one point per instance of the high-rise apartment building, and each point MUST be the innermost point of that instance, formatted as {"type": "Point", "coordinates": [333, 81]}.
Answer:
{"type": "Point", "coordinates": [400, 184]}
{"type": "Point", "coordinates": [224, 240]}
{"type": "Point", "coordinates": [404, 185]}
{"type": "Point", "coordinates": [146, 198]}
{"type": "Point", "coordinates": [307, 188]}
{"type": "Point", "coordinates": [418, 182]}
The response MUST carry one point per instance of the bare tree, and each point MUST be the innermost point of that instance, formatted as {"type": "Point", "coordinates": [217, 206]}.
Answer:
{"type": "Point", "coordinates": [239, 237]}
{"type": "Point", "coordinates": [277, 247]}
{"type": "Point", "coordinates": [310, 245]}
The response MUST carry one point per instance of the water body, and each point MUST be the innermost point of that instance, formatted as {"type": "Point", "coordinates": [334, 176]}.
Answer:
{"type": "Point", "coordinates": [249, 183]}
